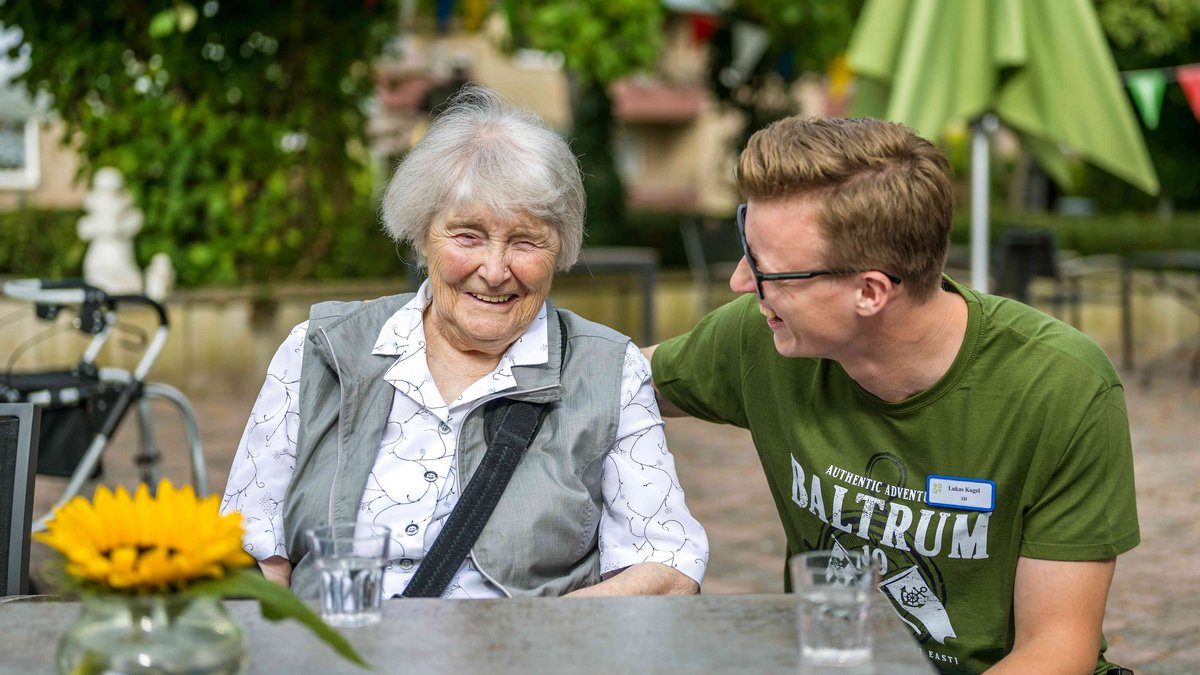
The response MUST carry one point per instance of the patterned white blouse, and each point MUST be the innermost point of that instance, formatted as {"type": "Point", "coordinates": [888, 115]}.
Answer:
{"type": "Point", "coordinates": [413, 487]}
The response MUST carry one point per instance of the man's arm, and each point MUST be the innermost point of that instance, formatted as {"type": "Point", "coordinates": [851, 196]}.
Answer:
{"type": "Point", "coordinates": [665, 407]}
{"type": "Point", "coordinates": [641, 579]}
{"type": "Point", "coordinates": [1059, 612]}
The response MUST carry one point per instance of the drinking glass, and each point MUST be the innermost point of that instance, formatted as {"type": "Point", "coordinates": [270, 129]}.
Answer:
{"type": "Point", "coordinates": [834, 591]}
{"type": "Point", "coordinates": [350, 558]}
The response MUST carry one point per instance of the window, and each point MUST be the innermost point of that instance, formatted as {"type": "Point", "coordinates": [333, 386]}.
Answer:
{"type": "Point", "coordinates": [19, 166]}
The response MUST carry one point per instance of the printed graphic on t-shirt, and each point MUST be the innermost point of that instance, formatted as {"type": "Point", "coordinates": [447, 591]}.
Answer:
{"type": "Point", "coordinates": [911, 596]}
{"type": "Point", "coordinates": [875, 512]}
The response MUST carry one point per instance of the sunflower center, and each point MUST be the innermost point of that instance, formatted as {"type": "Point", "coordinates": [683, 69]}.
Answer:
{"type": "Point", "coordinates": [141, 550]}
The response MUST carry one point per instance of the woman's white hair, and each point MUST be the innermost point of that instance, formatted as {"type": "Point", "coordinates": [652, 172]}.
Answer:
{"type": "Point", "coordinates": [482, 153]}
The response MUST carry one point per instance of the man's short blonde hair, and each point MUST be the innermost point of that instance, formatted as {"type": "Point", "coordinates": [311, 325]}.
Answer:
{"type": "Point", "coordinates": [883, 192]}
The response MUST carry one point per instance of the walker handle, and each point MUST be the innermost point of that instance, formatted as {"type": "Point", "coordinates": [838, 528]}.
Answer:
{"type": "Point", "coordinates": [75, 292]}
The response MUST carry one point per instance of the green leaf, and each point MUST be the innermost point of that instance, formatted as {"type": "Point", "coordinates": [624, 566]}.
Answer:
{"type": "Point", "coordinates": [187, 16]}
{"type": "Point", "coordinates": [276, 603]}
{"type": "Point", "coordinates": [163, 24]}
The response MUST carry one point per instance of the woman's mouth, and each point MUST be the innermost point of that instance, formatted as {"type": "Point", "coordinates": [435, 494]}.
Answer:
{"type": "Point", "coordinates": [492, 299]}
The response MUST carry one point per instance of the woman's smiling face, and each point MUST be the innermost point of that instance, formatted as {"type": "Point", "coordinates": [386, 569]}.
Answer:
{"type": "Point", "coordinates": [489, 275]}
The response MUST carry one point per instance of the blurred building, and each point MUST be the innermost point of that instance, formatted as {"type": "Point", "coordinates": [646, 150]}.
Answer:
{"type": "Point", "coordinates": [421, 69]}
{"type": "Point", "coordinates": [675, 147]}
{"type": "Point", "coordinates": [674, 144]}
{"type": "Point", "coordinates": [36, 168]}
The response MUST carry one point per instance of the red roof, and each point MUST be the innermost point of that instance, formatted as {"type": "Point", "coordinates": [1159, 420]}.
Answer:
{"type": "Point", "coordinates": [656, 102]}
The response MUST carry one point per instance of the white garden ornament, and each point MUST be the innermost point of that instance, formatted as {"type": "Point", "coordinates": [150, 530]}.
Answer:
{"type": "Point", "coordinates": [110, 223]}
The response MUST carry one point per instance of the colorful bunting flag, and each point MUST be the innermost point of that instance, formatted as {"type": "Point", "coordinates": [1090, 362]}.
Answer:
{"type": "Point", "coordinates": [1146, 87]}
{"type": "Point", "coordinates": [750, 41]}
{"type": "Point", "coordinates": [703, 27]}
{"type": "Point", "coordinates": [443, 11]}
{"type": "Point", "coordinates": [1189, 81]}
{"type": "Point", "coordinates": [474, 12]}
{"type": "Point", "coordinates": [840, 77]}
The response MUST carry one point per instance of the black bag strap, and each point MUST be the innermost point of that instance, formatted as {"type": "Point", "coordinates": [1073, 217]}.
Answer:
{"type": "Point", "coordinates": [518, 420]}
{"type": "Point", "coordinates": [513, 425]}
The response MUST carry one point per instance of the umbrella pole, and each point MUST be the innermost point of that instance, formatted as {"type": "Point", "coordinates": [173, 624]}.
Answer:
{"type": "Point", "coordinates": [979, 200]}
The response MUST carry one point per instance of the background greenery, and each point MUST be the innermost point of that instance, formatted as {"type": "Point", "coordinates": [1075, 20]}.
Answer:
{"type": "Point", "coordinates": [1155, 34]}
{"type": "Point", "coordinates": [240, 126]}
{"type": "Point", "coordinates": [601, 41]}
{"type": "Point", "coordinates": [38, 243]}
{"type": "Point", "coordinates": [237, 125]}
{"type": "Point", "coordinates": [1115, 233]}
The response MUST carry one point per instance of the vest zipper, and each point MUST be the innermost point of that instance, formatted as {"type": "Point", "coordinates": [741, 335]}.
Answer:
{"type": "Point", "coordinates": [337, 470]}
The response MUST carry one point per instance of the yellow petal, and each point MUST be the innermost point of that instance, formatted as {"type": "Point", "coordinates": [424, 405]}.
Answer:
{"type": "Point", "coordinates": [147, 542]}
{"type": "Point", "coordinates": [123, 558]}
{"type": "Point", "coordinates": [155, 568]}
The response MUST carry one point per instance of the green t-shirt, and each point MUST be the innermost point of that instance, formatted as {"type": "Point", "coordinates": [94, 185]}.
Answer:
{"type": "Point", "coordinates": [1030, 404]}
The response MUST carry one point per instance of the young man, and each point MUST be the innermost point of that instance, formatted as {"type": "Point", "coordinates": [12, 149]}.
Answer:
{"type": "Point", "coordinates": [975, 447]}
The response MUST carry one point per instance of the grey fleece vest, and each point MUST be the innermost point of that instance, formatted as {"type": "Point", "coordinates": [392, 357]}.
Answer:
{"type": "Point", "coordinates": [542, 537]}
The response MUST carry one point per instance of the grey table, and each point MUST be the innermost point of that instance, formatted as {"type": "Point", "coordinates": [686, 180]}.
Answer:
{"type": "Point", "coordinates": [696, 634]}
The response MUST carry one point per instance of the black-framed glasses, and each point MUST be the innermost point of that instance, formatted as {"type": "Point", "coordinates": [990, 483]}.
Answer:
{"type": "Point", "coordinates": [760, 277]}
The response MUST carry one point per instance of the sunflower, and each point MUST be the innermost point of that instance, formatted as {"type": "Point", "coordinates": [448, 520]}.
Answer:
{"type": "Point", "coordinates": [144, 543]}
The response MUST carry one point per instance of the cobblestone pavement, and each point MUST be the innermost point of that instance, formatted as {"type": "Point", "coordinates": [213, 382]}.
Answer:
{"type": "Point", "coordinates": [1153, 620]}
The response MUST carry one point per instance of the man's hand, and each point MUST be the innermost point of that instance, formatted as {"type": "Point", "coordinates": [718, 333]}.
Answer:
{"type": "Point", "coordinates": [277, 569]}
{"type": "Point", "coordinates": [665, 407]}
{"type": "Point", "coordinates": [1059, 613]}
{"type": "Point", "coordinates": [641, 579]}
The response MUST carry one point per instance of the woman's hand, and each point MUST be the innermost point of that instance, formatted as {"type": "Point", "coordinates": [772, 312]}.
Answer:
{"type": "Point", "coordinates": [277, 569]}
{"type": "Point", "coordinates": [641, 579]}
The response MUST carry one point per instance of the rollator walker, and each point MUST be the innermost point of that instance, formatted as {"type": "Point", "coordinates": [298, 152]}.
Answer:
{"type": "Point", "coordinates": [83, 406]}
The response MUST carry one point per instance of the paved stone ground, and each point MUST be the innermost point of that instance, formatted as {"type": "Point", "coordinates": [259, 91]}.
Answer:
{"type": "Point", "coordinates": [1153, 610]}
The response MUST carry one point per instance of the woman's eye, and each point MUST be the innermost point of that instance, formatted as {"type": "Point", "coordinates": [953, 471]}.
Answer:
{"type": "Point", "coordinates": [466, 238]}
{"type": "Point", "coordinates": [524, 245]}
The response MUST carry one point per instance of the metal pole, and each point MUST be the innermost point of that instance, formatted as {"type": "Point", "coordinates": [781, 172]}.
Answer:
{"type": "Point", "coordinates": [979, 200]}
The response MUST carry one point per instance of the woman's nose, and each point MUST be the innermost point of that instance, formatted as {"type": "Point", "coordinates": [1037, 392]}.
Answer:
{"type": "Point", "coordinates": [494, 268]}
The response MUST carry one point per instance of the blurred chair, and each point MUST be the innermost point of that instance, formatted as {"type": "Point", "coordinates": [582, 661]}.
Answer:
{"type": "Point", "coordinates": [18, 462]}
{"type": "Point", "coordinates": [1024, 254]}
{"type": "Point", "coordinates": [713, 251]}
{"type": "Point", "coordinates": [958, 261]}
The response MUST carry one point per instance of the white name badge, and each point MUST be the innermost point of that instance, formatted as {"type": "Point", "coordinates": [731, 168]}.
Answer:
{"type": "Point", "coordinates": [952, 492]}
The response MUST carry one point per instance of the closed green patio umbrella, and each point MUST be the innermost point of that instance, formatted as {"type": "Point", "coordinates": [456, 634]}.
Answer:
{"type": "Point", "coordinates": [1042, 67]}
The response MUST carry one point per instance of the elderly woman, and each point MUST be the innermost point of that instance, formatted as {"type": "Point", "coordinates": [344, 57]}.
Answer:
{"type": "Point", "coordinates": [375, 412]}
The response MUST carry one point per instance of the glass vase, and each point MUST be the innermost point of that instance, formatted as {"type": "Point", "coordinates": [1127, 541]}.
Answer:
{"type": "Point", "coordinates": [152, 634]}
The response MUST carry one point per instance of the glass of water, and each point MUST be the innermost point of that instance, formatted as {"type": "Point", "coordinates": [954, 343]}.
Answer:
{"type": "Point", "coordinates": [350, 558]}
{"type": "Point", "coordinates": [834, 590]}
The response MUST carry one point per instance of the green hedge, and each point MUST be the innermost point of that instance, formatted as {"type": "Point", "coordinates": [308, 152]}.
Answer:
{"type": "Point", "coordinates": [45, 244]}
{"type": "Point", "coordinates": [1100, 234]}
{"type": "Point", "coordinates": [36, 243]}
{"type": "Point", "coordinates": [42, 243]}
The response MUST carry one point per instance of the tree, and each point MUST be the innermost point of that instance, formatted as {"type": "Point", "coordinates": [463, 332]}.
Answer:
{"type": "Point", "coordinates": [601, 41]}
{"type": "Point", "coordinates": [1154, 27]}
{"type": "Point", "coordinates": [1156, 34]}
{"type": "Point", "coordinates": [802, 36]}
{"type": "Point", "coordinates": [238, 125]}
